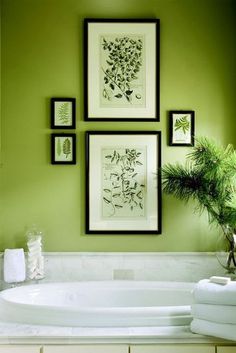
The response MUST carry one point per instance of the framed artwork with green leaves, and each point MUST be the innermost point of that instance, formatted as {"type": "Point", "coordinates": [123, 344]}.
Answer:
{"type": "Point", "coordinates": [63, 113]}
{"type": "Point", "coordinates": [121, 69]}
{"type": "Point", "coordinates": [182, 126]}
{"type": "Point", "coordinates": [63, 148]}
{"type": "Point", "coordinates": [123, 186]}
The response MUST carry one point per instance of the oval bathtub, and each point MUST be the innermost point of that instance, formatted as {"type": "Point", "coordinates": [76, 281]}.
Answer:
{"type": "Point", "coordinates": [99, 304]}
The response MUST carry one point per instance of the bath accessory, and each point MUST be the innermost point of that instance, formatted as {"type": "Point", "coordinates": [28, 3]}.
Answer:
{"type": "Point", "coordinates": [14, 265]}
{"type": "Point", "coordinates": [206, 292]}
{"type": "Point", "coordinates": [222, 314]}
{"type": "Point", "coordinates": [204, 327]}
{"type": "Point", "coordinates": [99, 304]}
{"type": "Point", "coordinates": [214, 312]}
{"type": "Point", "coordinates": [35, 264]}
{"type": "Point", "coordinates": [220, 280]}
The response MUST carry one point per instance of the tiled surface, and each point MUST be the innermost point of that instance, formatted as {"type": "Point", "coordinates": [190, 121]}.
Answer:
{"type": "Point", "coordinates": [190, 267]}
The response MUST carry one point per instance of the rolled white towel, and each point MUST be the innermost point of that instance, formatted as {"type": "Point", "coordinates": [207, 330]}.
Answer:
{"type": "Point", "coordinates": [206, 292]}
{"type": "Point", "coordinates": [14, 265]}
{"type": "Point", "coordinates": [208, 328]}
{"type": "Point", "coordinates": [224, 314]}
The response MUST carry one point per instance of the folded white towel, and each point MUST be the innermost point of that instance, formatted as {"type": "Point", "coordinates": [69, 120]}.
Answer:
{"type": "Point", "coordinates": [14, 265]}
{"type": "Point", "coordinates": [203, 327]}
{"type": "Point", "coordinates": [224, 314]}
{"type": "Point", "coordinates": [206, 292]}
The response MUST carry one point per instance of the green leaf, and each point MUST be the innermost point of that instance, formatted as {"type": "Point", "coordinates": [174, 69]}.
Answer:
{"type": "Point", "coordinates": [139, 195]}
{"type": "Point", "coordinates": [107, 190]}
{"type": "Point", "coordinates": [106, 200]}
{"type": "Point", "coordinates": [182, 124]}
{"type": "Point", "coordinates": [59, 147]}
{"type": "Point", "coordinates": [67, 147]}
{"type": "Point", "coordinates": [63, 112]}
{"type": "Point", "coordinates": [139, 163]}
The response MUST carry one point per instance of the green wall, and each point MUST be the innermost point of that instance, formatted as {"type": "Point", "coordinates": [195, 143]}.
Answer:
{"type": "Point", "coordinates": [42, 57]}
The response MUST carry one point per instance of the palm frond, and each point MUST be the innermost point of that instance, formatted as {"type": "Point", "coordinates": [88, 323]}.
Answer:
{"type": "Point", "coordinates": [209, 178]}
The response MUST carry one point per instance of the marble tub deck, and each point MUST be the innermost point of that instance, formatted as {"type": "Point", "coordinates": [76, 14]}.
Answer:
{"type": "Point", "coordinates": [12, 333]}
{"type": "Point", "coordinates": [186, 267]}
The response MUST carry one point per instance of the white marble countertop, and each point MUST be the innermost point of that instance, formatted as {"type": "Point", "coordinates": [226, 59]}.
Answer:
{"type": "Point", "coordinates": [11, 333]}
{"type": "Point", "coordinates": [186, 267]}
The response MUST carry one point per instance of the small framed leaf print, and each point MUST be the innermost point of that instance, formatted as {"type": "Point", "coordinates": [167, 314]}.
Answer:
{"type": "Point", "coordinates": [63, 113]}
{"type": "Point", "coordinates": [63, 149]}
{"type": "Point", "coordinates": [182, 127]}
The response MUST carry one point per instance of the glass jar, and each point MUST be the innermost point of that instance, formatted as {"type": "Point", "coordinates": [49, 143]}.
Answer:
{"type": "Point", "coordinates": [35, 259]}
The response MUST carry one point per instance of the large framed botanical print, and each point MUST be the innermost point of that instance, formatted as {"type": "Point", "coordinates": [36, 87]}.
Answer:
{"type": "Point", "coordinates": [123, 190]}
{"type": "Point", "coordinates": [121, 69]}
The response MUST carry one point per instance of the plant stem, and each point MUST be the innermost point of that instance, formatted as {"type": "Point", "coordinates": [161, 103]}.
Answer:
{"type": "Point", "coordinates": [123, 92]}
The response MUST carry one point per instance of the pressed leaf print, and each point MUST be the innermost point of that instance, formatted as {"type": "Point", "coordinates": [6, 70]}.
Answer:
{"type": "Point", "coordinates": [63, 148]}
{"type": "Point", "coordinates": [122, 70]}
{"type": "Point", "coordinates": [59, 147]}
{"type": "Point", "coordinates": [63, 113]}
{"type": "Point", "coordinates": [124, 182]}
{"type": "Point", "coordinates": [67, 147]}
{"type": "Point", "coordinates": [182, 124]}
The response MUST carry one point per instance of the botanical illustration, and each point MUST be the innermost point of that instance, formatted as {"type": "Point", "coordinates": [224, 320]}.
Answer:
{"type": "Point", "coordinates": [63, 113]}
{"type": "Point", "coordinates": [124, 182]}
{"type": "Point", "coordinates": [122, 70]}
{"type": "Point", "coordinates": [67, 147]}
{"type": "Point", "coordinates": [183, 124]}
{"type": "Point", "coordinates": [181, 128]}
{"type": "Point", "coordinates": [63, 148]}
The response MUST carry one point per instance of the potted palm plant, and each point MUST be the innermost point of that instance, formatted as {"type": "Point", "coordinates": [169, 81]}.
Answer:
{"type": "Point", "coordinates": [208, 178]}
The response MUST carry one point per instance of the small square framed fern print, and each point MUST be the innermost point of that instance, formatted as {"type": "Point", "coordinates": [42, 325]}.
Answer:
{"type": "Point", "coordinates": [182, 126]}
{"type": "Point", "coordinates": [63, 149]}
{"type": "Point", "coordinates": [63, 113]}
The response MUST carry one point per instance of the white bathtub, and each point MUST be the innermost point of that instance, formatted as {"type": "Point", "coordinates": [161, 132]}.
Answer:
{"type": "Point", "coordinates": [100, 303]}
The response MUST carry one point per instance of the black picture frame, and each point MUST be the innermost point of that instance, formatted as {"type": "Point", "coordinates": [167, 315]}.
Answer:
{"type": "Point", "coordinates": [147, 105]}
{"type": "Point", "coordinates": [63, 113]}
{"type": "Point", "coordinates": [143, 183]}
{"type": "Point", "coordinates": [181, 128]}
{"type": "Point", "coordinates": [63, 148]}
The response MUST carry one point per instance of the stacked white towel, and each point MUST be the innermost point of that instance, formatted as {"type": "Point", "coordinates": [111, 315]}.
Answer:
{"type": "Point", "coordinates": [14, 265]}
{"type": "Point", "coordinates": [214, 310]}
